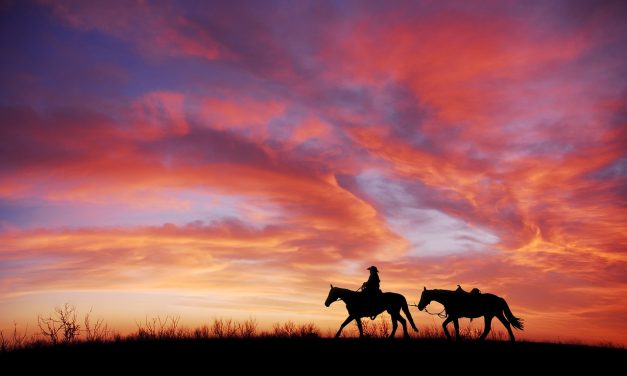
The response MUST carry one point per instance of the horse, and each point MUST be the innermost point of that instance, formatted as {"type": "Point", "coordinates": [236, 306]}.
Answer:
{"type": "Point", "coordinates": [358, 305]}
{"type": "Point", "coordinates": [462, 304]}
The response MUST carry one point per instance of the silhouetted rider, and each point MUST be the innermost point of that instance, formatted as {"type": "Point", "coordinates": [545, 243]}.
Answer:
{"type": "Point", "coordinates": [372, 285]}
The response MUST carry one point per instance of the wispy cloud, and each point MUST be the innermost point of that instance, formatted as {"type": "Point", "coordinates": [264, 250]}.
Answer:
{"type": "Point", "coordinates": [235, 151]}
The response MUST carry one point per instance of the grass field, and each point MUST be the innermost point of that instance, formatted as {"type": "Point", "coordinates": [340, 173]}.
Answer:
{"type": "Point", "coordinates": [67, 345]}
{"type": "Point", "coordinates": [301, 356]}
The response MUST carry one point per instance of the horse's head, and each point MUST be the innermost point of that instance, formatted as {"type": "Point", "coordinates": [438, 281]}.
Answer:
{"type": "Point", "coordinates": [425, 299]}
{"type": "Point", "coordinates": [332, 296]}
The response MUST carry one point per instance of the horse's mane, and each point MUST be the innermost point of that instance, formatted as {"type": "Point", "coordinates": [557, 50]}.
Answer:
{"type": "Point", "coordinates": [441, 290]}
{"type": "Point", "coordinates": [344, 289]}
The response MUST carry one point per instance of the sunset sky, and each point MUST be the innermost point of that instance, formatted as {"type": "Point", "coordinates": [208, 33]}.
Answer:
{"type": "Point", "coordinates": [231, 159]}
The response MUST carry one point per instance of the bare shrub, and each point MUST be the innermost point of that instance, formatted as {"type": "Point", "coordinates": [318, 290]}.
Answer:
{"type": "Point", "coordinates": [61, 323]}
{"type": "Point", "coordinates": [247, 329]}
{"type": "Point", "coordinates": [475, 332]}
{"type": "Point", "coordinates": [285, 330]}
{"type": "Point", "coordinates": [378, 328]}
{"type": "Point", "coordinates": [169, 327]}
{"type": "Point", "coordinates": [147, 329]}
{"type": "Point", "coordinates": [157, 327]}
{"type": "Point", "coordinates": [498, 335]}
{"type": "Point", "coordinates": [98, 332]}
{"type": "Point", "coordinates": [223, 328]}
{"type": "Point", "coordinates": [15, 341]}
{"type": "Point", "coordinates": [329, 333]}
{"type": "Point", "coordinates": [469, 332]}
{"type": "Point", "coordinates": [67, 318]}
{"type": "Point", "coordinates": [383, 327]}
{"type": "Point", "coordinates": [183, 332]}
{"type": "Point", "coordinates": [369, 328]}
{"type": "Point", "coordinates": [202, 332]}
{"type": "Point", "coordinates": [49, 328]}
{"type": "Point", "coordinates": [291, 330]}
{"type": "Point", "coordinates": [431, 332]}
{"type": "Point", "coordinates": [308, 330]}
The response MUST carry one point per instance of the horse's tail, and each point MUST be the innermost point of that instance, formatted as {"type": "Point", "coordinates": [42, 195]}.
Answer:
{"type": "Point", "coordinates": [405, 308]}
{"type": "Point", "coordinates": [515, 321]}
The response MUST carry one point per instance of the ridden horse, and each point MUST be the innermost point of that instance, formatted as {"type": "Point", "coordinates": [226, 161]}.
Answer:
{"type": "Point", "coordinates": [359, 305]}
{"type": "Point", "coordinates": [462, 304]}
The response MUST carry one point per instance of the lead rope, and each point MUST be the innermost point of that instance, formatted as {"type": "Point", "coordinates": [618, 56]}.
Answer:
{"type": "Point", "coordinates": [442, 314]}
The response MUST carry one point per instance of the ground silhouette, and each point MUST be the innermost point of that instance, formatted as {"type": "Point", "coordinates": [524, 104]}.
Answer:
{"type": "Point", "coordinates": [320, 355]}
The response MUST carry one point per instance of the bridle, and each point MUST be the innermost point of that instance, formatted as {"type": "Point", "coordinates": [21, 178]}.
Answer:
{"type": "Point", "coordinates": [335, 300]}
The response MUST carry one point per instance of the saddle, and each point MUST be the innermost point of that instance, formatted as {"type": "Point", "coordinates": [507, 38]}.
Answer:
{"type": "Point", "coordinates": [371, 301]}
{"type": "Point", "coordinates": [475, 291]}
{"type": "Point", "coordinates": [469, 296]}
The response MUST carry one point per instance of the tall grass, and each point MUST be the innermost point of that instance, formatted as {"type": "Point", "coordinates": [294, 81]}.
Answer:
{"type": "Point", "coordinates": [169, 327]}
{"type": "Point", "coordinates": [159, 328]}
{"type": "Point", "coordinates": [14, 340]}
{"type": "Point", "coordinates": [381, 327]}
{"type": "Point", "coordinates": [62, 327]}
{"type": "Point", "coordinates": [291, 330]}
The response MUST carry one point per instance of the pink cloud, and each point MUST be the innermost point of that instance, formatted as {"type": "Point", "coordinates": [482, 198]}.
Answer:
{"type": "Point", "coordinates": [383, 136]}
{"type": "Point", "coordinates": [156, 30]}
{"type": "Point", "coordinates": [160, 114]}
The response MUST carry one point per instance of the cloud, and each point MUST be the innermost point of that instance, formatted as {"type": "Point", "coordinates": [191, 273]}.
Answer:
{"type": "Point", "coordinates": [154, 29]}
{"type": "Point", "coordinates": [239, 151]}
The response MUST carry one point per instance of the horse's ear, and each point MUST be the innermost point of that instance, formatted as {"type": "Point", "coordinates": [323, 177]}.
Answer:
{"type": "Point", "coordinates": [424, 288]}
{"type": "Point", "coordinates": [331, 285]}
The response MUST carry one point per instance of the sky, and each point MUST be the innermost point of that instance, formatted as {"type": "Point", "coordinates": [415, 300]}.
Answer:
{"type": "Point", "coordinates": [232, 159]}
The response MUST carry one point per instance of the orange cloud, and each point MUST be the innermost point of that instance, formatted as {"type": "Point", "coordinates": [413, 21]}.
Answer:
{"type": "Point", "coordinates": [255, 155]}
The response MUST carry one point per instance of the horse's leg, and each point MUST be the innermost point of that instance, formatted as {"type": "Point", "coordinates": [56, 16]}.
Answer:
{"type": "Point", "coordinates": [404, 323]}
{"type": "Point", "coordinates": [394, 318]}
{"type": "Point", "coordinates": [488, 325]}
{"type": "Point", "coordinates": [348, 319]}
{"type": "Point", "coordinates": [361, 329]}
{"type": "Point", "coordinates": [507, 325]}
{"type": "Point", "coordinates": [456, 325]}
{"type": "Point", "coordinates": [444, 324]}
